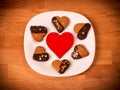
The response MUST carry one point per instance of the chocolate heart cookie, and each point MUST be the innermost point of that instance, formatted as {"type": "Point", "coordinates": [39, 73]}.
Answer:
{"type": "Point", "coordinates": [38, 32]}
{"type": "Point", "coordinates": [79, 52]}
{"type": "Point", "coordinates": [40, 54]}
{"type": "Point", "coordinates": [60, 23]}
{"type": "Point", "coordinates": [61, 66]}
{"type": "Point", "coordinates": [82, 30]}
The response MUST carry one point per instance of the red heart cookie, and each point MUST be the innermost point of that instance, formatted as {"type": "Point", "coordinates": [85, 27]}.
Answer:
{"type": "Point", "coordinates": [60, 44]}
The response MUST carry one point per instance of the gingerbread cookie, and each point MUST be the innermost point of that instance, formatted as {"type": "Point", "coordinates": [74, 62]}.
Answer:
{"type": "Point", "coordinates": [82, 30]}
{"type": "Point", "coordinates": [40, 54]}
{"type": "Point", "coordinates": [60, 23]}
{"type": "Point", "coordinates": [79, 52]}
{"type": "Point", "coordinates": [61, 66]}
{"type": "Point", "coordinates": [38, 32]}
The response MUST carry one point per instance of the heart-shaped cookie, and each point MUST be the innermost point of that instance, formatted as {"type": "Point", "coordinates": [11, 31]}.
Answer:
{"type": "Point", "coordinates": [40, 54]}
{"type": "Point", "coordinates": [60, 44]}
{"type": "Point", "coordinates": [61, 66]}
{"type": "Point", "coordinates": [82, 30]}
{"type": "Point", "coordinates": [38, 32]}
{"type": "Point", "coordinates": [60, 23]}
{"type": "Point", "coordinates": [79, 52]}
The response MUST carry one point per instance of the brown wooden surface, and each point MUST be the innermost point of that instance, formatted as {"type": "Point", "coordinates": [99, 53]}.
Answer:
{"type": "Point", "coordinates": [104, 74]}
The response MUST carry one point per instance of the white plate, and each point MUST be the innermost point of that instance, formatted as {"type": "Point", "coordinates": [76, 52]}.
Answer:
{"type": "Point", "coordinates": [45, 68]}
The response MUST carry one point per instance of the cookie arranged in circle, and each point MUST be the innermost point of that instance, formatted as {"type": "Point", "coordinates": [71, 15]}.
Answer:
{"type": "Point", "coordinates": [79, 52]}
{"type": "Point", "coordinates": [42, 58]}
{"type": "Point", "coordinates": [61, 66]}
{"type": "Point", "coordinates": [82, 30]}
{"type": "Point", "coordinates": [60, 23]}
{"type": "Point", "coordinates": [38, 32]}
{"type": "Point", "coordinates": [40, 54]}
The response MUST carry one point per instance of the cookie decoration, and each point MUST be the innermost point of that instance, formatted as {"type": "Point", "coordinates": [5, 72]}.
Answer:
{"type": "Point", "coordinates": [60, 23]}
{"type": "Point", "coordinates": [61, 66]}
{"type": "Point", "coordinates": [79, 52]}
{"type": "Point", "coordinates": [38, 32]}
{"type": "Point", "coordinates": [82, 30]}
{"type": "Point", "coordinates": [40, 54]}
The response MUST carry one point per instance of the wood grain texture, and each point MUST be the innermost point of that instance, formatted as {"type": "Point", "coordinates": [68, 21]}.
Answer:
{"type": "Point", "coordinates": [104, 74]}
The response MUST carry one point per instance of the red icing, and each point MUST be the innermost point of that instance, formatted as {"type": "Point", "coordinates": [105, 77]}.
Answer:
{"type": "Point", "coordinates": [60, 44]}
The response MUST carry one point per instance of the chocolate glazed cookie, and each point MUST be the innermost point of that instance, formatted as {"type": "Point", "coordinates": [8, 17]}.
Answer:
{"type": "Point", "coordinates": [38, 32]}
{"type": "Point", "coordinates": [60, 23]}
{"type": "Point", "coordinates": [61, 66]}
{"type": "Point", "coordinates": [57, 24]}
{"type": "Point", "coordinates": [41, 57]}
{"type": "Point", "coordinates": [40, 54]}
{"type": "Point", "coordinates": [79, 52]}
{"type": "Point", "coordinates": [64, 66]}
{"type": "Point", "coordinates": [38, 29]}
{"type": "Point", "coordinates": [83, 32]}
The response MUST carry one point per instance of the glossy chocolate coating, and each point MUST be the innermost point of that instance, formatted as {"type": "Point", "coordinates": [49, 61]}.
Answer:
{"type": "Point", "coordinates": [82, 34]}
{"type": "Point", "coordinates": [38, 29]}
{"type": "Point", "coordinates": [75, 54]}
{"type": "Point", "coordinates": [64, 66]}
{"type": "Point", "coordinates": [57, 24]}
{"type": "Point", "coordinates": [41, 57]}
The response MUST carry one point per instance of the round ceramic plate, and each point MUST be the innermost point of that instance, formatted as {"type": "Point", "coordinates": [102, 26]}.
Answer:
{"type": "Point", "coordinates": [45, 68]}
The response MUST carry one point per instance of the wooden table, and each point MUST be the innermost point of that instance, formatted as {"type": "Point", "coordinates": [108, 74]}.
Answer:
{"type": "Point", "coordinates": [104, 74]}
